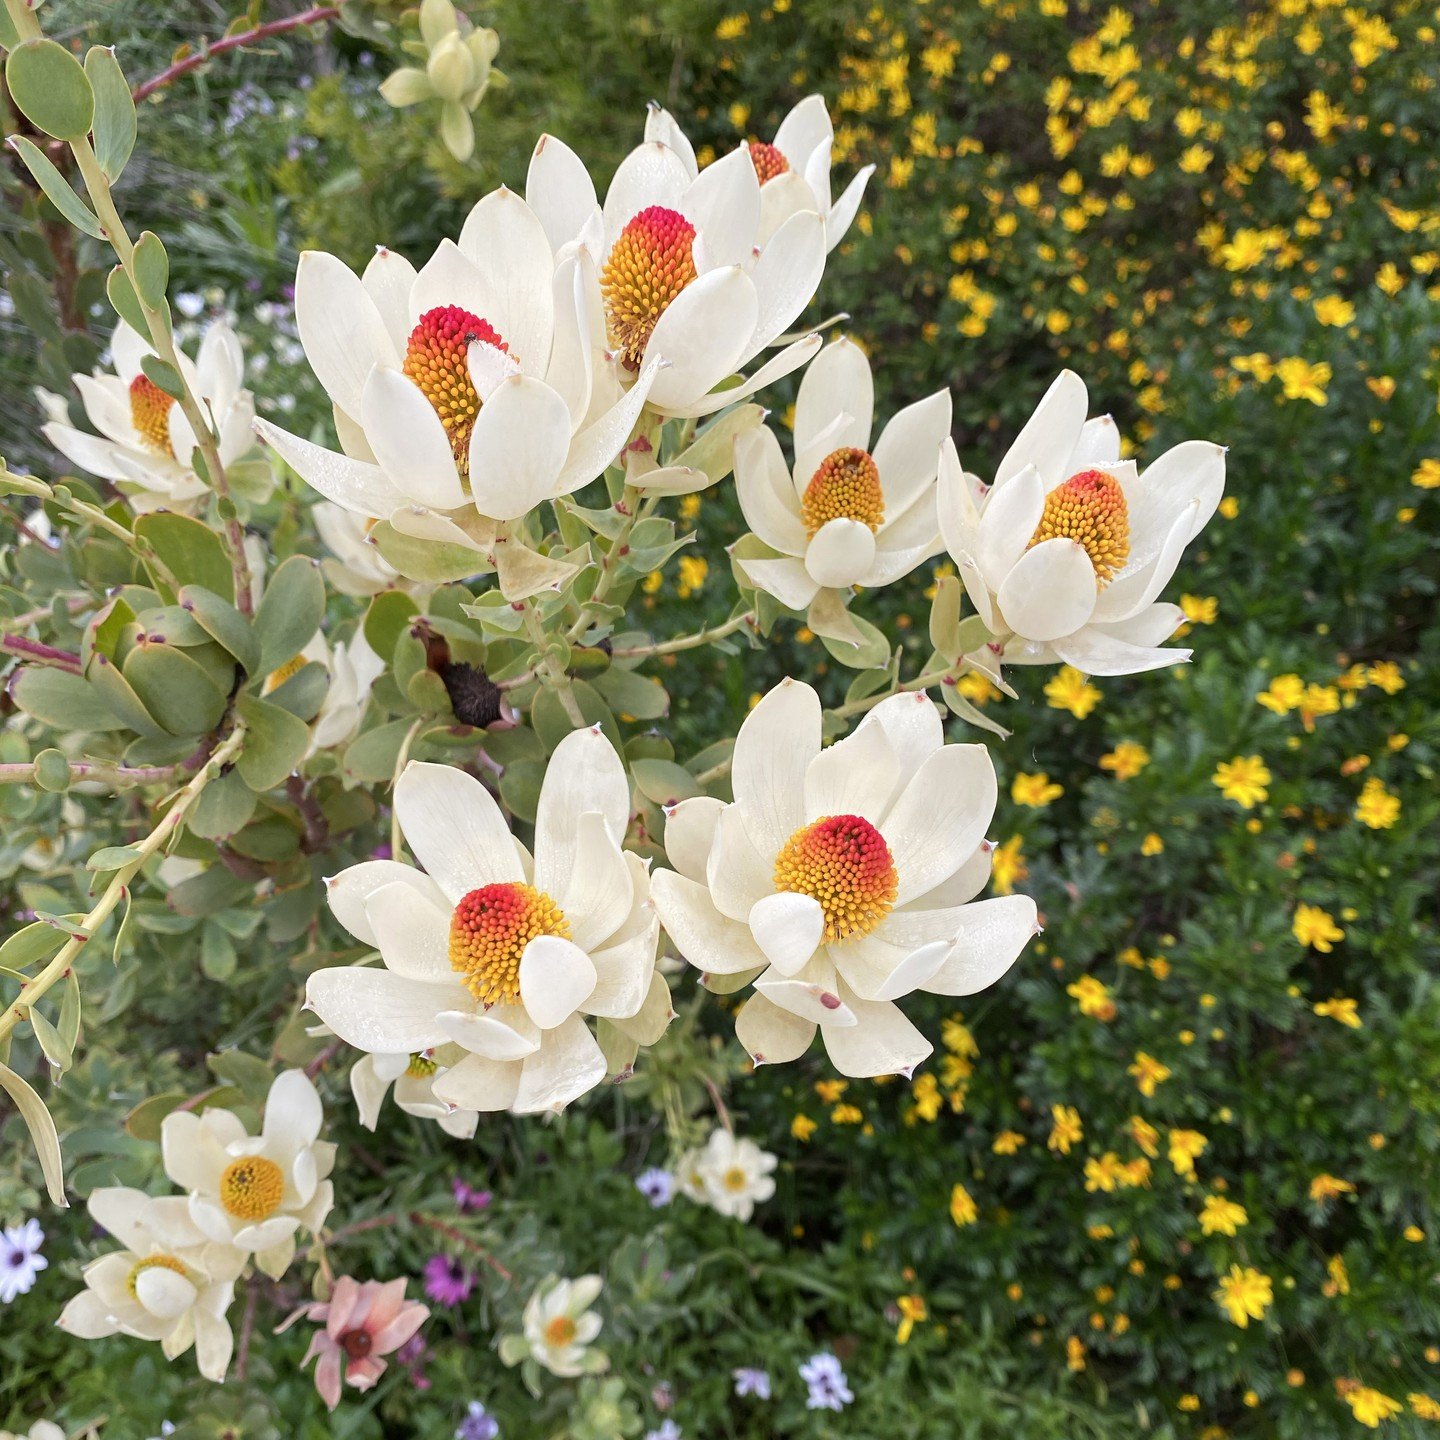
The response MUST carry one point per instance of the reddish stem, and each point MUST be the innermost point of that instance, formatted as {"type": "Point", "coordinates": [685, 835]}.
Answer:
{"type": "Point", "coordinates": [40, 653]}
{"type": "Point", "coordinates": [315, 15]}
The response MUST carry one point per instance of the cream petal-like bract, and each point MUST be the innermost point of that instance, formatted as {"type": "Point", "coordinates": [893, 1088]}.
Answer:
{"type": "Point", "coordinates": [506, 1011]}
{"type": "Point", "coordinates": [767, 887]}
{"type": "Point", "coordinates": [1037, 586]}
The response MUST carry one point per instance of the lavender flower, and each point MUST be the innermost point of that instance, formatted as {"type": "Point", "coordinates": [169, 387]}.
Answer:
{"type": "Point", "coordinates": [752, 1382]}
{"type": "Point", "coordinates": [656, 1185]}
{"type": "Point", "coordinates": [826, 1382]}
{"type": "Point", "coordinates": [468, 1199]}
{"type": "Point", "coordinates": [20, 1259]}
{"type": "Point", "coordinates": [447, 1281]}
{"type": "Point", "coordinates": [478, 1424]}
{"type": "Point", "coordinates": [667, 1430]}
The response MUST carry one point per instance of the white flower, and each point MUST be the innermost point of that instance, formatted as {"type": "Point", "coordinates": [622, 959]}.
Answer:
{"type": "Point", "coordinates": [794, 168]}
{"type": "Point", "coordinates": [1064, 556]}
{"type": "Point", "coordinates": [169, 1283]}
{"type": "Point", "coordinates": [40, 1430]}
{"type": "Point", "coordinates": [465, 393]}
{"type": "Point", "coordinates": [495, 952]}
{"type": "Point", "coordinates": [20, 1259]}
{"type": "Point", "coordinates": [255, 1192]}
{"type": "Point", "coordinates": [413, 1077]}
{"type": "Point", "coordinates": [845, 515]}
{"type": "Point", "coordinates": [560, 1326]}
{"type": "Point", "coordinates": [355, 566]}
{"type": "Point", "coordinates": [675, 267]}
{"type": "Point", "coordinates": [145, 442]}
{"type": "Point", "coordinates": [737, 1174]}
{"type": "Point", "coordinates": [838, 880]}
{"type": "Point", "coordinates": [352, 667]}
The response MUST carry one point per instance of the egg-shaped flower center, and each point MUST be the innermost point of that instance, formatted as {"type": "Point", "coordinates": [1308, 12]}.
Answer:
{"type": "Point", "coordinates": [437, 359]}
{"type": "Point", "coordinates": [767, 160]}
{"type": "Point", "coordinates": [489, 931]}
{"type": "Point", "coordinates": [357, 1344]}
{"type": "Point", "coordinates": [1090, 509]}
{"type": "Point", "coordinates": [650, 263]}
{"type": "Point", "coordinates": [843, 862]}
{"type": "Point", "coordinates": [736, 1179]}
{"type": "Point", "coordinates": [560, 1332]}
{"type": "Point", "coordinates": [150, 414]}
{"type": "Point", "coordinates": [252, 1187]}
{"type": "Point", "coordinates": [153, 1262]}
{"type": "Point", "coordinates": [846, 486]}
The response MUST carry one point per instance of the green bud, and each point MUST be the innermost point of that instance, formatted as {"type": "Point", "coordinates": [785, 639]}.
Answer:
{"type": "Point", "coordinates": [450, 68]}
{"type": "Point", "coordinates": [457, 131]}
{"type": "Point", "coordinates": [437, 20]}
{"type": "Point", "coordinates": [52, 771]}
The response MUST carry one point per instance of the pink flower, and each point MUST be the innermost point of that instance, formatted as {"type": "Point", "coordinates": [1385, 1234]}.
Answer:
{"type": "Point", "coordinates": [363, 1322]}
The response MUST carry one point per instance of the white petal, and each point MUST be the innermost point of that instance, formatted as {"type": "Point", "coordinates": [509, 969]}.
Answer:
{"type": "Point", "coordinates": [559, 190]}
{"type": "Point", "coordinates": [1051, 434]}
{"type": "Point", "coordinates": [930, 841]}
{"type": "Point", "coordinates": [690, 833]}
{"type": "Point", "coordinates": [412, 933]}
{"type": "Point", "coordinates": [479, 1084]}
{"type": "Point", "coordinates": [837, 383]}
{"type": "Point", "coordinates": [492, 1035]}
{"type": "Point", "coordinates": [710, 941]}
{"type": "Point", "coordinates": [387, 280]}
{"type": "Point", "coordinates": [767, 498]}
{"type": "Point", "coordinates": [293, 1114]}
{"type": "Point", "coordinates": [1050, 592]}
{"type": "Point", "coordinates": [651, 174]}
{"type": "Point", "coordinates": [596, 894]}
{"type": "Point", "coordinates": [777, 741]}
{"type": "Point", "coordinates": [876, 968]}
{"type": "Point", "coordinates": [787, 275]}
{"type": "Point", "coordinates": [661, 125]}
{"type": "Point", "coordinates": [379, 1011]}
{"type": "Point", "coordinates": [991, 935]}
{"type": "Point", "coordinates": [855, 776]}
{"type": "Point", "coordinates": [409, 441]}
{"type": "Point", "coordinates": [776, 368]}
{"type": "Point", "coordinates": [1008, 524]}
{"type": "Point", "coordinates": [788, 928]}
{"type": "Point", "coordinates": [736, 872]}
{"type": "Point", "coordinates": [770, 1035]}
{"type": "Point", "coordinates": [556, 978]}
{"type": "Point", "coordinates": [786, 579]}
{"type": "Point", "coordinates": [842, 212]}
{"type": "Point", "coordinates": [1099, 444]}
{"type": "Point", "coordinates": [908, 450]}
{"type": "Point", "coordinates": [452, 823]}
{"type": "Point", "coordinates": [342, 331]}
{"type": "Point", "coordinates": [584, 774]}
{"type": "Point", "coordinates": [598, 446]}
{"type": "Point", "coordinates": [507, 242]}
{"type": "Point", "coordinates": [840, 553]}
{"type": "Point", "coordinates": [164, 1293]}
{"type": "Point", "coordinates": [811, 1000]}
{"type": "Point", "coordinates": [348, 891]}
{"type": "Point", "coordinates": [724, 205]}
{"type": "Point", "coordinates": [518, 447]}
{"type": "Point", "coordinates": [449, 277]}
{"type": "Point", "coordinates": [568, 1064]}
{"type": "Point", "coordinates": [705, 335]}
{"type": "Point", "coordinates": [913, 726]}
{"type": "Point", "coordinates": [352, 484]}
{"type": "Point", "coordinates": [1093, 652]}
{"type": "Point", "coordinates": [881, 1042]}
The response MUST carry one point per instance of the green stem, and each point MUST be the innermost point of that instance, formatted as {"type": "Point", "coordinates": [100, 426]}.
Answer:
{"type": "Point", "coordinates": [24, 19]}
{"type": "Point", "coordinates": [549, 669]}
{"type": "Point", "coordinates": [118, 887]}
{"type": "Point", "coordinates": [630, 504]}
{"type": "Point", "coordinates": [158, 323]}
{"type": "Point", "coordinates": [686, 642]}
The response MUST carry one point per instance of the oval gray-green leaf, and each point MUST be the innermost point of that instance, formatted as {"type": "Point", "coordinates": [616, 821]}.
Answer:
{"type": "Point", "coordinates": [50, 89]}
{"type": "Point", "coordinates": [114, 125]}
{"type": "Point", "coordinates": [42, 1132]}
{"type": "Point", "coordinates": [66, 701]}
{"type": "Point", "coordinates": [224, 624]}
{"type": "Point", "coordinates": [174, 689]}
{"type": "Point", "coordinates": [152, 270]}
{"type": "Point", "coordinates": [290, 611]}
{"type": "Point", "coordinates": [275, 743]}
{"type": "Point", "coordinates": [56, 187]}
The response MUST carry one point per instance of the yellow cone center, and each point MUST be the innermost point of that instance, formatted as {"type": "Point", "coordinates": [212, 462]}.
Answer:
{"type": "Point", "coordinates": [843, 862]}
{"type": "Point", "coordinates": [560, 1332]}
{"type": "Point", "coordinates": [489, 931]}
{"type": "Point", "coordinates": [252, 1188]}
{"type": "Point", "coordinates": [736, 1179]}
{"type": "Point", "coordinates": [767, 160]}
{"type": "Point", "coordinates": [437, 359]}
{"type": "Point", "coordinates": [651, 262]}
{"type": "Point", "coordinates": [150, 414]}
{"type": "Point", "coordinates": [846, 486]}
{"type": "Point", "coordinates": [1089, 508]}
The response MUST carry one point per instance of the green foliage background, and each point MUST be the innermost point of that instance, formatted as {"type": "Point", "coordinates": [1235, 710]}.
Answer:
{"type": "Point", "coordinates": [984, 260]}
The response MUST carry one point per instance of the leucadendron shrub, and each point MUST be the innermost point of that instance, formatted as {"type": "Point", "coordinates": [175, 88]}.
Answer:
{"type": "Point", "coordinates": [419, 765]}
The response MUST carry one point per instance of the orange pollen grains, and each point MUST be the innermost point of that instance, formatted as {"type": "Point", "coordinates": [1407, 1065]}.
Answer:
{"type": "Point", "coordinates": [845, 487]}
{"type": "Point", "coordinates": [650, 263]}
{"type": "Point", "coordinates": [1089, 508]}
{"type": "Point", "coordinates": [152, 1262]}
{"type": "Point", "coordinates": [560, 1332]}
{"type": "Point", "coordinates": [252, 1187]}
{"type": "Point", "coordinates": [150, 414]}
{"type": "Point", "coordinates": [437, 359]}
{"type": "Point", "coordinates": [489, 931]}
{"type": "Point", "coordinates": [767, 160]}
{"type": "Point", "coordinates": [843, 862]}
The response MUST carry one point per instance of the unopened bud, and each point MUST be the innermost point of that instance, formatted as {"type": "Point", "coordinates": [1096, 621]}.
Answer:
{"type": "Point", "coordinates": [451, 70]}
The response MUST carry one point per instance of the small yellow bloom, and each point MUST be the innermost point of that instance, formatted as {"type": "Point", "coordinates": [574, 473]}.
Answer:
{"type": "Point", "coordinates": [1185, 1147]}
{"type": "Point", "coordinates": [1075, 1354]}
{"type": "Point", "coordinates": [1066, 1129]}
{"type": "Point", "coordinates": [1070, 690]}
{"type": "Point", "coordinates": [1370, 1406]}
{"type": "Point", "coordinates": [1386, 675]}
{"type": "Point", "coordinates": [1126, 760]}
{"type": "Point", "coordinates": [847, 1115]}
{"type": "Point", "coordinates": [1425, 1406]}
{"type": "Point", "coordinates": [1316, 928]}
{"type": "Point", "coordinates": [1338, 1281]}
{"type": "Point", "coordinates": [1377, 807]}
{"type": "Point", "coordinates": [1200, 609]}
{"type": "Point", "coordinates": [1303, 381]}
{"type": "Point", "coordinates": [1426, 474]}
{"type": "Point", "coordinates": [802, 1127]}
{"type": "Point", "coordinates": [1104, 1173]}
{"type": "Point", "coordinates": [1007, 1142]}
{"type": "Point", "coordinates": [831, 1090]}
{"type": "Point", "coordinates": [1035, 791]}
{"type": "Point", "coordinates": [1284, 694]}
{"type": "Point", "coordinates": [1245, 780]}
{"type": "Point", "coordinates": [963, 1210]}
{"type": "Point", "coordinates": [1007, 866]}
{"type": "Point", "coordinates": [1219, 1216]}
{"type": "Point", "coordinates": [912, 1312]}
{"type": "Point", "coordinates": [1152, 844]}
{"type": "Point", "coordinates": [1341, 1009]}
{"type": "Point", "coordinates": [1326, 1187]}
{"type": "Point", "coordinates": [1093, 997]}
{"type": "Point", "coordinates": [1148, 1073]}
{"type": "Point", "coordinates": [1244, 1295]}
{"type": "Point", "coordinates": [1413, 1233]}
{"type": "Point", "coordinates": [1334, 310]}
